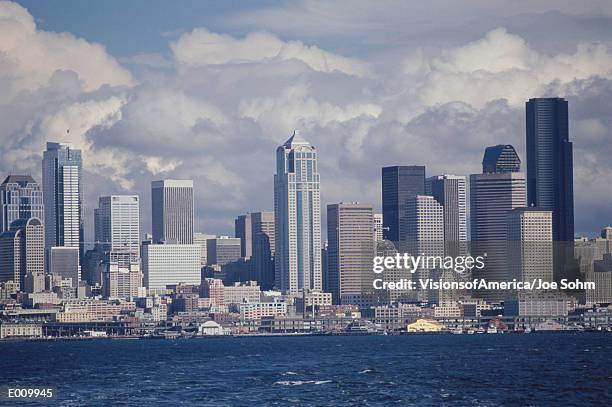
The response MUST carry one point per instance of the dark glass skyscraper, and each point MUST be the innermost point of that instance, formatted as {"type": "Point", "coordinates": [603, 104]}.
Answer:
{"type": "Point", "coordinates": [500, 159]}
{"type": "Point", "coordinates": [399, 185]}
{"type": "Point", "coordinates": [20, 198]}
{"type": "Point", "coordinates": [62, 170]}
{"type": "Point", "coordinates": [550, 182]}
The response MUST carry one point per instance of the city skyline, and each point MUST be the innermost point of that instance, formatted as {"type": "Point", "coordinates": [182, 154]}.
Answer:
{"type": "Point", "coordinates": [367, 108]}
{"type": "Point", "coordinates": [209, 188]}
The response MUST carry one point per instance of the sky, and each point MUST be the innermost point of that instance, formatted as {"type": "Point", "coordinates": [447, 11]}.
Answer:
{"type": "Point", "coordinates": [208, 90]}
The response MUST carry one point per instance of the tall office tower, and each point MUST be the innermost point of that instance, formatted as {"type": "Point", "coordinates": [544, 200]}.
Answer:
{"type": "Point", "coordinates": [222, 250]}
{"type": "Point", "coordinates": [242, 230]}
{"type": "Point", "coordinates": [172, 211]}
{"type": "Point", "coordinates": [500, 159]}
{"type": "Point", "coordinates": [200, 239]}
{"type": "Point", "coordinates": [22, 251]}
{"type": "Point", "coordinates": [399, 185]}
{"type": "Point", "coordinates": [492, 196]}
{"type": "Point", "coordinates": [20, 198]}
{"type": "Point", "coordinates": [378, 227]}
{"type": "Point", "coordinates": [170, 264]}
{"type": "Point", "coordinates": [63, 196]}
{"type": "Point", "coordinates": [530, 251]}
{"type": "Point", "coordinates": [297, 217]}
{"type": "Point", "coordinates": [350, 250]}
{"type": "Point", "coordinates": [424, 225]}
{"type": "Point", "coordinates": [450, 192]}
{"type": "Point", "coordinates": [262, 232]}
{"type": "Point", "coordinates": [550, 183]}
{"type": "Point", "coordinates": [117, 224]}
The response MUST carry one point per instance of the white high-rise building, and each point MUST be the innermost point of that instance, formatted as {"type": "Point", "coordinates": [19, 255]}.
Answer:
{"type": "Point", "coordinates": [62, 196]}
{"type": "Point", "coordinates": [172, 211]}
{"type": "Point", "coordinates": [117, 224]}
{"type": "Point", "coordinates": [450, 192]}
{"type": "Point", "coordinates": [170, 264]}
{"type": "Point", "coordinates": [424, 226]}
{"type": "Point", "coordinates": [297, 216]}
{"type": "Point", "coordinates": [530, 249]}
{"type": "Point", "coordinates": [378, 227]}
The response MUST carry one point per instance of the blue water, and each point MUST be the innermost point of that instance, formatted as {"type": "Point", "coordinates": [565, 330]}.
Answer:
{"type": "Point", "coordinates": [431, 370]}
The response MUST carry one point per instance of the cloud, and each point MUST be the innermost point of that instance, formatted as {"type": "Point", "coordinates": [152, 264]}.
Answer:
{"type": "Point", "coordinates": [500, 66]}
{"type": "Point", "coordinates": [202, 47]}
{"type": "Point", "coordinates": [29, 57]}
{"type": "Point", "coordinates": [215, 107]}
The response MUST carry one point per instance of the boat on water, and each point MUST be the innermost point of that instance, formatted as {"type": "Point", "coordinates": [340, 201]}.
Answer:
{"type": "Point", "coordinates": [481, 330]}
{"type": "Point", "coordinates": [492, 330]}
{"type": "Point", "coordinates": [471, 332]}
{"type": "Point", "coordinates": [457, 331]}
{"type": "Point", "coordinates": [527, 330]}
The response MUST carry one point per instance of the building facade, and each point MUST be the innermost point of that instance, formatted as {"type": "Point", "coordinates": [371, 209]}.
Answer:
{"type": "Point", "coordinates": [170, 264]}
{"type": "Point", "coordinates": [223, 250]}
{"type": "Point", "coordinates": [530, 250]}
{"type": "Point", "coordinates": [450, 192]}
{"type": "Point", "coordinates": [424, 225]}
{"type": "Point", "coordinates": [201, 240]}
{"type": "Point", "coordinates": [263, 238]}
{"type": "Point", "coordinates": [243, 231]}
{"type": "Point", "coordinates": [297, 217]}
{"type": "Point", "coordinates": [117, 224]}
{"type": "Point", "coordinates": [399, 185]}
{"type": "Point", "coordinates": [350, 250]}
{"type": "Point", "coordinates": [20, 198]}
{"type": "Point", "coordinates": [492, 196]}
{"type": "Point", "coordinates": [63, 196]}
{"type": "Point", "coordinates": [550, 182]}
{"type": "Point", "coordinates": [22, 251]}
{"type": "Point", "coordinates": [64, 262]}
{"type": "Point", "coordinates": [172, 211]}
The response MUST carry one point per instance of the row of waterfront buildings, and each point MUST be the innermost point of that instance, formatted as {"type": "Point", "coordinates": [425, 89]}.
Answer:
{"type": "Point", "coordinates": [522, 222]}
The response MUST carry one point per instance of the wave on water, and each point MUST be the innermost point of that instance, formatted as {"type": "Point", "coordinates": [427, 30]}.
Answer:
{"type": "Point", "coordinates": [301, 382]}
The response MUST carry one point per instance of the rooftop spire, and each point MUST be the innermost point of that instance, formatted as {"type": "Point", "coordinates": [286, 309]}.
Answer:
{"type": "Point", "coordinates": [295, 140]}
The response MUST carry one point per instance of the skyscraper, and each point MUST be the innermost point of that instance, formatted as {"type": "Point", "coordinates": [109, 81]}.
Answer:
{"type": "Point", "coordinates": [500, 159]}
{"type": "Point", "coordinates": [20, 198]}
{"type": "Point", "coordinates": [22, 251]}
{"type": "Point", "coordinates": [378, 226]}
{"type": "Point", "coordinates": [117, 224]}
{"type": "Point", "coordinates": [450, 192]}
{"type": "Point", "coordinates": [242, 230]}
{"type": "Point", "coordinates": [350, 250]}
{"type": "Point", "coordinates": [63, 196]}
{"type": "Point", "coordinates": [297, 216]}
{"type": "Point", "coordinates": [550, 182]}
{"type": "Point", "coordinates": [530, 250]}
{"type": "Point", "coordinates": [172, 211]}
{"type": "Point", "coordinates": [262, 232]}
{"type": "Point", "coordinates": [492, 196]}
{"type": "Point", "coordinates": [424, 225]}
{"type": "Point", "coordinates": [399, 185]}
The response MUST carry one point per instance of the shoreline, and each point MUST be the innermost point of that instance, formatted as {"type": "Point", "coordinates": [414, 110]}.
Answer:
{"type": "Point", "coordinates": [283, 334]}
